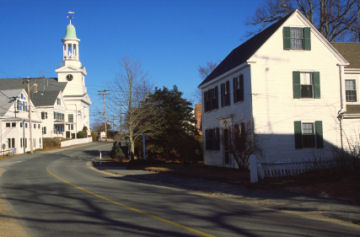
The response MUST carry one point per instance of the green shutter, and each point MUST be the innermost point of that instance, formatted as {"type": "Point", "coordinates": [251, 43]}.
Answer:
{"type": "Point", "coordinates": [319, 134]}
{"type": "Point", "coordinates": [297, 131]}
{"type": "Point", "coordinates": [286, 35]}
{"type": "Point", "coordinates": [307, 38]}
{"type": "Point", "coordinates": [296, 84]}
{"type": "Point", "coordinates": [316, 81]}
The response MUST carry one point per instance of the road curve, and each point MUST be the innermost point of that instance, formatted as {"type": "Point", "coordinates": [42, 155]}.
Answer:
{"type": "Point", "coordinates": [57, 194]}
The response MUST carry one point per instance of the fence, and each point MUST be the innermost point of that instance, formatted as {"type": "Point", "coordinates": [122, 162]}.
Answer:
{"type": "Point", "coordinates": [7, 152]}
{"type": "Point", "coordinates": [76, 142]}
{"type": "Point", "coordinates": [276, 169]}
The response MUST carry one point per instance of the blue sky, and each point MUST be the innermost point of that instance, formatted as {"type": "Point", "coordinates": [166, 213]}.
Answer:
{"type": "Point", "coordinates": [169, 38]}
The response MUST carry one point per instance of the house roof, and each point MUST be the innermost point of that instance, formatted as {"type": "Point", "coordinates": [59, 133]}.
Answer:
{"type": "Point", "coordinates": [6, 99]}
{"type": "Point", "coordinates": [48, 89]}
{"type": "Point", "coordinates": [350, 51]}
{"type": "Point", "coordinates": [243, 52]}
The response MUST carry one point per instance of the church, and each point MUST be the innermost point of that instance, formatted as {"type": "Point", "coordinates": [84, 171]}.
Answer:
{"type": "Point", "coordinates": [52, 107]}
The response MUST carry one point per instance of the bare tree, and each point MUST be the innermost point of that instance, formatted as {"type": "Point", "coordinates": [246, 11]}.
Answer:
{"type": "Point", "coordinates": [129, 93]}
{"type": "Point", "coordinates": [240, 142]}
{"type": "Point", "coordinates": [335, 19]}
{"type": "Point", "coordinates": [204, 71]}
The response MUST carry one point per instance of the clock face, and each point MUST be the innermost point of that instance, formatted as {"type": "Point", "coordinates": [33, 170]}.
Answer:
{"type": "Point", "coordinates": [69, 77]}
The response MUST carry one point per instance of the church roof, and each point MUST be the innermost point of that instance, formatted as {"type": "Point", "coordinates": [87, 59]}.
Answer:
{"type": "Point", "coordinates": [6, 100]}
{"type": "Point", "coordinates": [243, 52]}
{"type": "Point", "coordinates": [48, 89]}
{"type": "Point", "coordinates": [350, 51]}
{"type": "Point", "coordinates": [70, 32]}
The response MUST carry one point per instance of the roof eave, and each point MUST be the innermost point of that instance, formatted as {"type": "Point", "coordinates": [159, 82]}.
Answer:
{"type": "Point", "coordinates": [216, 79]}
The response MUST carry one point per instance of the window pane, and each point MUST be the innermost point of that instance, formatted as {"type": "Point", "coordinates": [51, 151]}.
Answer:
{"type": "Point", "coordinates": [350, 84]}
{"type": "Point", "coordinates": [308, 135]}
{"type": "Point", "coordinates": [297, 38]}
{"type": "Point", "coordinates": [350, 90]}
{"type": "Point", "coordinates": [307, 128]}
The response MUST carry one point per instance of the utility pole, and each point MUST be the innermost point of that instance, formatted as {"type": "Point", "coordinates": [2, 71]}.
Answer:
{"type": "Point", "coordinates": [103, 93]}
{"type": "Point", "coordinates": [27, 81]}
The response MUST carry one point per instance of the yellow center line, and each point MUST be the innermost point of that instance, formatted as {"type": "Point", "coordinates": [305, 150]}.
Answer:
{"type": "Point", "coordinates": [131, 208]}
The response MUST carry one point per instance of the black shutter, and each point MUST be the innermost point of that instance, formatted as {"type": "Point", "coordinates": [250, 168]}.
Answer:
{"type": "Point", "coordinates": [217, 139]}
{"type": "Point", "coordinates": [216, 99]}
{"type": "Point", "coordinates": [222, 86]}
{"type": "Point", "coordinates": [241, 88]}
{"type": "Point", "coordinates": [234, 88]}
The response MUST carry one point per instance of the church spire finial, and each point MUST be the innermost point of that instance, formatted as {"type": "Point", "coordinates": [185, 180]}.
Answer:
{"type": "Point", "coordinates": [70, 15]}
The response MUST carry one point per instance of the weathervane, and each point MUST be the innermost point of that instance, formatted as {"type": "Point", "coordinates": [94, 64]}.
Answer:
{"type": "Point", "coordinates": [70, 15]}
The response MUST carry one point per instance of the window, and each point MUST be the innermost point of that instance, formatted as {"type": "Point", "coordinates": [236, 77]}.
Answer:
{"type": "Point", "coordinates": [58, 116]}
{"type": "Point", "coordinates": [19, 105]}
{"type": "Point", "coordinates": [25, 142]}
{"type": "Point", "coordinates": [225, 94]}
{"type": "Point", "coordinates": [70, 118]}
{"type": "Point", "coordinates": [44, 130]}
{"type": "Point", "coordinates": [350, 90]}
{"type": "Point", "coordinates": [34, 125]}
{"type": "Point", "coordinates": [39, 126]}
{"type": "Point", "coordinates": [21, 142]}
{"type": "Point", "coordinates": [21, 124]}
{"type": "Point", "coordinates": [25, 125]}
{"type": "Point", "coordinates": [211, 99]}
{"type": "Point", "coordinates": [44, 115]}
{"type": "Point", "coordinates": [238, 88]}
{"type": "Point", "coordinates": [308, 135]}
{"type": "Point", "coordinates": [212, 139]}
{"type": "Point", "coordinates": [25, 107]}
{"type": "Point", "coordinates": [8, 125]}
{"type": "Point", "coordinates": [13, 125]}
{"type": "Point", "coordinates": [58, 101]}
{"type": "Point", "coordinates": [11, 142]}
{"type": "Point", "coordinates": [297, 38]}
{"type": "Point", "coordinates": [306, 85]}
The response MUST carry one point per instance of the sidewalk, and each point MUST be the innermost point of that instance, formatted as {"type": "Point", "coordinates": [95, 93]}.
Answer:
{"type": "Point", "coordinates": [308, 206]}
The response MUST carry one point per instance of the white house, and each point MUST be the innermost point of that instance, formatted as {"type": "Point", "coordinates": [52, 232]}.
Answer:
{"type": "Point", "coordinates": [14, 123]}
{"type": "Point", "coordinates": [350, 113]}
{"type": "Point", "coordinates": [62, 102]}
{"type": "Point", "coordinates": [287, 85]}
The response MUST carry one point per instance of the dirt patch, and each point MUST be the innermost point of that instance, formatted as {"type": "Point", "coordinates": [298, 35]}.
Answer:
{"type": "Point", "coordinates": [329, 183]}
{"type": "Point", "coordinates": [9, 226]}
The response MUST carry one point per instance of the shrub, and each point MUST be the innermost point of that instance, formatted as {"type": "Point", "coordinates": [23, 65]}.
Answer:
{"type": "Point", "coordinates": [94, 135]}
{"type": "Point", "coordinates": [83, 133]}
{"type": "Point", "coordinates": [117, 151]}
{"type": "Point", "coordinates": [51, 142]}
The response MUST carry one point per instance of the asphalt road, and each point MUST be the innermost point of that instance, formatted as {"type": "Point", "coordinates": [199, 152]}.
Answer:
{"type": "Point", "coordinates": [59, 195]}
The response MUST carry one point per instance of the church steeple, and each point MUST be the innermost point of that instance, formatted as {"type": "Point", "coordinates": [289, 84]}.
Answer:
{"type": "Point", "coordinates": [71, 45]}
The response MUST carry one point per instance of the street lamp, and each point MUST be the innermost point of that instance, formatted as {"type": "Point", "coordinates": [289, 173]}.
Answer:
{"type": "Point", "coordinates": [34, 87]}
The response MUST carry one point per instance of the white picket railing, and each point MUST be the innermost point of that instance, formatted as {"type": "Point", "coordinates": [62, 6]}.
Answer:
{"type": "Point", "coordinates": [276, 169]}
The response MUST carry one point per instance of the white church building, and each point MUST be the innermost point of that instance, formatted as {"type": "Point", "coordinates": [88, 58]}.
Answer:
{"type": "Point", "coordinates": [60, 105]}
